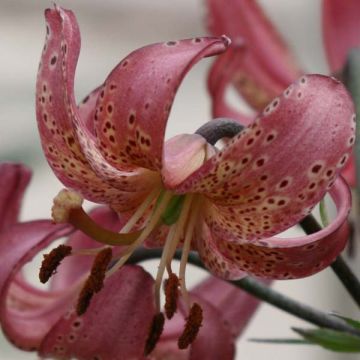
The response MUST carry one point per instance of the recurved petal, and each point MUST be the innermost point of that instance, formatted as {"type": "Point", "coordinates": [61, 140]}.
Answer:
{"type": "Point", "coordinates": [245, 19]}
{"type": "Point", "coordinates": [67, 138]}
{"type": "Point", "coordinates": [288, 258]}
{"type": "Point", "coordinates": [270, 175]}
{"type": "Point", "coordinates": [341, 29]}
{"type": "Point", "coordinates": [14, 179]}
{"type": "Point", "coordinates": [237, 307]}
{"type": "Point", "coordinates": [221, 75]}
{"type": "Point", "coordinates": [26, 313]}
{"type": "Point", "coordinates": [115, 326]}
{"type": "Point", "coordinates": [213, 259]}
{"type": "Point", "coordinates": [137, 97]}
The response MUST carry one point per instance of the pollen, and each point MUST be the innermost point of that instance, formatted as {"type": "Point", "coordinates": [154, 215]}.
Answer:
{"type": "Point", "coordinates": [192, 326]}
{"type": "Point", "coordinates": [171, 289]}
{"type": "Point", "coordinates": [156, 329]}
{"type": "Point", "coordinates": [64, 202]}
{"type": "Point", "coordinates": [51, 262]}
{"type": "Point", "coordinates": [95, 281]}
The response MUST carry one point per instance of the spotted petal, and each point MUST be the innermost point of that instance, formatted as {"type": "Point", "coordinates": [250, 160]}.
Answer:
{"type": "Point", "coordinates": [341, 30]}
{"type": "Point", "coordinates": [135, 103]}
{"type": "Point", "coordinates": [66, 132]}
{"type": "Point", "coordinates": [271, 174]}
{"type": "Point", "coordinates": [115, 326]}
{"type": "Point", "coordinates": [281, 258]}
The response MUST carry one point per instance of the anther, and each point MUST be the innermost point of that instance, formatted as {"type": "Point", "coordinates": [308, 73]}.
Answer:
{"type": "Point", "coordinates": [52, 260]}
{"type": "Point", "coordinates": [171, 289]}
{"type": "Point", "coordinates": [192, 326]}
{"type": "Point", "coordinates": [156, 329]}
{"type": "Point", "coordinates": [95, 281]}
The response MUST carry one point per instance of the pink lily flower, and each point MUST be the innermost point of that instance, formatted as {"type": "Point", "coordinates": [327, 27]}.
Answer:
{"type": "Point", "coordinates": [117, 323]}
{"type": "Point", "coordinates": [260, 65]}
{"type": "Point", "coordinates": [184, 192]}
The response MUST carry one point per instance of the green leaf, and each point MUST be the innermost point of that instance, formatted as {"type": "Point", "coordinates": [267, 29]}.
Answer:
{"type": "Point", "coordinates": [282, 341]}
{"type": "Point", "coordinates": [331, 339]}
{"type": "Point", "coordinates": [323, 213]}
{"type": "Point", "coordinates": [354, 323]}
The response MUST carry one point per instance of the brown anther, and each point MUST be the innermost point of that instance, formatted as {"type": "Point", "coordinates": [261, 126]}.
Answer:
{"type": "Point", "coordinates": [157, 327]}
{"type": "Point", "coordinates": [84, 299]}
{"type": "Point", "coordinates": [52, 260]}
{"type": "Point", "coordinates": [95, 281]}
{"type": "Point", "coordinates": [192, 326]}
{"type": "Point", "coordinates": [171, 289]}
{"type": "Point", "coordinates": [98, 270]}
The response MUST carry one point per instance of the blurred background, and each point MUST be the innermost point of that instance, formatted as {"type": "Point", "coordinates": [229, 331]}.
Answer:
{"type": "Point", "coordinates": [110, 30]}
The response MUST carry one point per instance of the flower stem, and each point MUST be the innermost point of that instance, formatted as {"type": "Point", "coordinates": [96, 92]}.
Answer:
{"type": "Point", "coordinates": [264, 293]}
{"type": "Point", "coordinates": [339, 266]}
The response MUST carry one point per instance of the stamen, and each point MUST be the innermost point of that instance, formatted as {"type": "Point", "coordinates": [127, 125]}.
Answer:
{"type": "Point", "coordinates": [153, 223]}
{"type": "Point", "coordinates": [192, 326]}
{"type": "Point", "coordinates": [52, 260]}
{"type": "Point", "coordinates": [171, 243]}
{"type": "Point", "coordinates": [186, 249]}
{"type": "Point", "coordinates": [95, 281]}
{"type": "Point", "coordinates": [67, 209]}
{"type": "Point", "coordinates": [156, 330]}
{"type": "Point", "coordinates": [171, 289]}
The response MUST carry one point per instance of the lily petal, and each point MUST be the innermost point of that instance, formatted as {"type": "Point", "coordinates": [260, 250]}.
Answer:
{"type": "Point", "coordinates": [281, 258]}
{"type": "Point", "coordinates": [237, 307]}
{"type": "Point", "coordinates": [244, 19]}
{"type": "Point", "coordinates": [14, 179]}
{"type": "Point", "coordinates": [341, 29]}
{"type": "Point", "coordinates": [215, 340]}
{"type": "Point", "coordinates": [137, 97]}
{"type": "Point", "coordinates": [289, 157]}
{"type": "Point", "coordinates": [67, 139]}
{"type": "Point", "coordinates": [116, 325]}
{"type": "Point", "coordinates": [27, 313]}
{"type": "Point", "coordinates": [221, 75]}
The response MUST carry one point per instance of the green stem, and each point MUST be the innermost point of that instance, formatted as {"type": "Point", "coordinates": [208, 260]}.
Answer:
{"type": "Point", "coordinates": [339, 266]}
{"type": "Point", "coordinates": [264, 293]}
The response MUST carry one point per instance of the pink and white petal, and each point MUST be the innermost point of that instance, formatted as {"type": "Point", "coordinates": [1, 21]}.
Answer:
{"type": "Point", "coordinates": [288, 258]}
{"type": "Point", "coordinates": [213, 259]}
{"type": "Point", "coordinates": [270, 175]}
{"type": "Point", "coordinates": [14, 179]}
{"type": "Point", "coordinates": [221, 75]}
{"type": "Point", "coordinates": [244, 19]}
{"type": "Point", "coordinates": [63, 133]}
{"type": "Point", "coordinates": [183, 154]}
{"type": "Point", "coordinates": [115, 326]}
{"type": "Point", "coordinates": [341, 29]}
{"type": "Point", "coordinates": [135, 103]}
{"type": "Point", "coordinates": [74, 267]}
{"type": "Point", "coordinates": [237, 307]}
{"type": "Point", "coordinates": [349, 171]}
{"type": "Point", "coordinates": [26, 314]}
